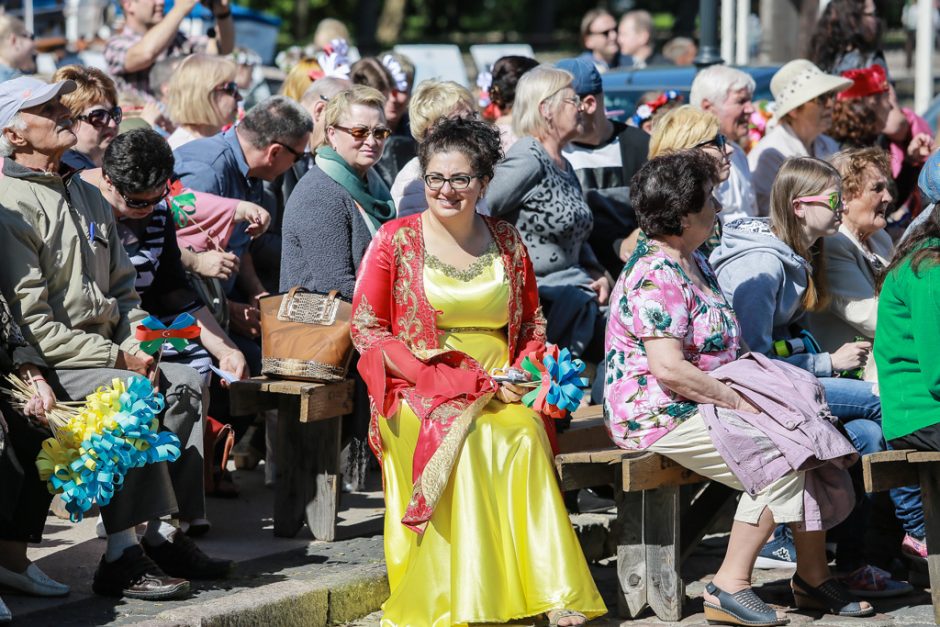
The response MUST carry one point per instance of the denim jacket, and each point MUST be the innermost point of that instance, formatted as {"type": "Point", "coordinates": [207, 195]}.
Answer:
{"type": "Point", "coordinates": [794, 431]}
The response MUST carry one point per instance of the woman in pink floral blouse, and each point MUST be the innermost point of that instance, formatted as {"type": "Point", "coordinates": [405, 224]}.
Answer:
{"type": "Point", "coordinates": [669, 325]}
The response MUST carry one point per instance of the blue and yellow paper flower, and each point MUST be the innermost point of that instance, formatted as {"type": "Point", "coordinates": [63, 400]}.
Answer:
{"type": "Point", "coordinates": [116, 430]}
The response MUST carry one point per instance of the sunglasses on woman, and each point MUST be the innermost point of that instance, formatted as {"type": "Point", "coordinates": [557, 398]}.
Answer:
{"type": "Point", "coordinates": [230, 88]}
{"type": "Point", "coordinates": [719, 141]}
{"type": "Point", "coordinates": [99, 118]}
{"type": "Point", "coordinates": [359, 133]}
{"type": "Point", "coordinates": [134, 203]}
{"type": "Point", "coordinates": [833, 201]}
{"type": "Point", "coordinates": [458, 183]}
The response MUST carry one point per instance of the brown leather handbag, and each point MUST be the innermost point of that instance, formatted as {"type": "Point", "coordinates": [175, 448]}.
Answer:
{"type": "Point", "coordinates": [305, 336]}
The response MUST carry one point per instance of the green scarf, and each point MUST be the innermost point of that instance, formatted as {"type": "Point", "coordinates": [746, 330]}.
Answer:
{"type": "Point", "coordinates": [373, 197]}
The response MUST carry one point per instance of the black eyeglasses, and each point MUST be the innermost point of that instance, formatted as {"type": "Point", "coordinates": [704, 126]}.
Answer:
{"type": "Point", "coordinates": [135, 203]}
{"type": "Point", "coordinates": [458, 183]}
{"type": "Point", "coordinates": [719, 141]}
{"type": "Point", "coordinates": [380, 133]}
{"type": "Point", "coordinates": [297, 155]}
{"type": "Point", "coordinates": [605, 33]}
{"type": "Point", "coordinates": [99, 118]}
{"type": "Point", "coordinates": [230, 88]}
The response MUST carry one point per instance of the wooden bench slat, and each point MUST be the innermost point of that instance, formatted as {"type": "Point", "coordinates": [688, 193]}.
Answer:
{"type": "Point", "coordinates": [888, 469]}
{"type": "Point", "coordinates": [651, 471]}
{"type": "Point", "coordinates": [923, 457]}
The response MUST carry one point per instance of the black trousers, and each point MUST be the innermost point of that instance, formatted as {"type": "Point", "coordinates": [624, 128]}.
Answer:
{"type": "Point", "coordinates": [926, 439]}
{"type": "Point", "coordinates": [24, 498]}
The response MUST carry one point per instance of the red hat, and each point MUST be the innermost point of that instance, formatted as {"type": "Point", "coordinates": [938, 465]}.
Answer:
{"type": "Point", "coordinates": [865, 82]}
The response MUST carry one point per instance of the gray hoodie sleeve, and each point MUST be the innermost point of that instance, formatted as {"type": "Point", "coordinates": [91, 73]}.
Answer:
{"type": "Point", "coordinates": [751, 283]}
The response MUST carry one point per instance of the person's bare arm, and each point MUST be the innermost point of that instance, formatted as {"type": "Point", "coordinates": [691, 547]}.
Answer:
{"type": "Point", "coordinates": [142, 55]}
{"type": "Point", "coordinates": [224, 26]}
{"type": "Point", "coordinates": [673, 370]}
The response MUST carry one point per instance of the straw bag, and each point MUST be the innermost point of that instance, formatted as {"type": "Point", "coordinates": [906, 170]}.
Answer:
{"type": "Point", "coordinates": [305, 336]}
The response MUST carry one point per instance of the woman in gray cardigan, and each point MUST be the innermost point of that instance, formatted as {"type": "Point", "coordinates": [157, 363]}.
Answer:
{"type": "Point", "coordinates": [329, 221]}
{"type": "Point", "coordinates": [536, 189]}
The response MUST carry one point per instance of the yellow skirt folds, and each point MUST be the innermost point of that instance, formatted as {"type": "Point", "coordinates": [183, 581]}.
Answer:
{"type": "Point", "coordinates": [500, 545]}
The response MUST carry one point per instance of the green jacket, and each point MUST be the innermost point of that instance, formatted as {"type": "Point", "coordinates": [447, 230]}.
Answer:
{"type": "Point", "coordinates": [907, 348]}
{"type": "Point", "coordinates": [67, 278]}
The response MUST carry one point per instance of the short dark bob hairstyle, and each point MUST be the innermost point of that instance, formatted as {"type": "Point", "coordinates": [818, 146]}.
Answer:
{"type": "Point", "coordinates": [671, 186]}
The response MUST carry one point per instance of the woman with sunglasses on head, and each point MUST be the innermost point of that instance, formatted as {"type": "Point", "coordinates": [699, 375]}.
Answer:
{"type": "Point", "coordinates": [475, 527]}
{"type": "Point", "coordinates": [804, 97]}
{"type": "Point", "coordinates": [536, 189]}
{"type": "Point", "coordinates": [689, 127]}
{"type": "Point", "coordinates": [202, 97]}
{"type": "Point", "coordinates": [773, 273]}
{"type": "Point", "coordinates": [329, 220]}
{"type": "Point", "coordinates": [96, 114]}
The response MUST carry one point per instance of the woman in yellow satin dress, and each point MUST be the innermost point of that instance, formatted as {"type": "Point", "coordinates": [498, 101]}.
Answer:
{"type": "Point", "coordinates": [475, 527]}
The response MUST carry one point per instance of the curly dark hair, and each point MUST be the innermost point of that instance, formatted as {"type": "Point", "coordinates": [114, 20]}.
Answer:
{"type": "Point", "coordinates": [138, 161]}
{"type": "Point", "coordinates": [915, 247]}
{"type": "Point", "coordinates": [506, 73]}
{"type": "Point", "coordinates": [853, 123]}
{"type": "Point", "coordinates": [478, 141]}
{"type": "Point", "coordinates": [839, 29]}
{"type": "Point", "coordinates": [669, 187]}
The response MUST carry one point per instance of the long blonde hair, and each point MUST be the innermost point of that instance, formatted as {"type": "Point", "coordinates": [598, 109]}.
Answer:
{"type": "Point", "coordinates": [803, 176]}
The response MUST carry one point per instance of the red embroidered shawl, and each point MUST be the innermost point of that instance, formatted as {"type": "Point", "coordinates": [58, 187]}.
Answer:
{"type": "Point", "coordinates": [394, 329]}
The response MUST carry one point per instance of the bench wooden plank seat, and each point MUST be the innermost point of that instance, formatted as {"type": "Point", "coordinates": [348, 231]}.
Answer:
{"type": "Point", "coordinates": [653, 537]}
{"type": "Point", "coordinates": [309, 428]}
{"type": "Point", "coordinates": [894, 469]}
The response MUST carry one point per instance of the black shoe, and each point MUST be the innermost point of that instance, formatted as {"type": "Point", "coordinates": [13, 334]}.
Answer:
{"type": "Point", "coordinates": [134, 575]}
{"type": "Point", "coordinates": [180, 557]}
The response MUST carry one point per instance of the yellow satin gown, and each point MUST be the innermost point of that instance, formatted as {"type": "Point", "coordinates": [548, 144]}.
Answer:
{"type": "Point", "coordinates": [500, 545]}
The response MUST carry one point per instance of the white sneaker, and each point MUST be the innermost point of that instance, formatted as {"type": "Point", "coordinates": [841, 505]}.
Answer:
{"type": "Point", "coordinates": [33, 581]}
{"type": "Point", "coordinates": [6, 615]}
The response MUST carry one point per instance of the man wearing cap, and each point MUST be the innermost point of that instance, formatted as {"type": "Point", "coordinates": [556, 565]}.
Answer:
{"type": "Point", "coordinates": [72, 293]}
{"type": "Point", "coordinates": [726, 92]}
{"type": "Point", "coordinates": [17, 48]}
{"type": "Point", "coordinates": [803, 99]}
{"type": "Point", "coordinates": [150, 36]}
{"type": "Point", "coordinates": [605, 155]}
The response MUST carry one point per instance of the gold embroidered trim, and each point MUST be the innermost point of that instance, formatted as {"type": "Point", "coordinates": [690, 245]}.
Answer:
{"type": "Point", "coordinates": [466, 275]}
{"type": "Point", "coordinates": [437, 471]}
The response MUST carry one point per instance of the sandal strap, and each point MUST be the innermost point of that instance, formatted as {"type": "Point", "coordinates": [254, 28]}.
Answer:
{"type": "Point", "coordinates": [556, 615]}
{"type": "Point", "coordinates": [834, 594]}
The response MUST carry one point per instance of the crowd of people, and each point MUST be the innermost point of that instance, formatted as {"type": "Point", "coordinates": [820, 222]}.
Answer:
{"type": "Point", "coordinates": [762, 313]}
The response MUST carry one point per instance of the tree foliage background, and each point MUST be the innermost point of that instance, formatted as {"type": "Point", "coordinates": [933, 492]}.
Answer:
{"type": "Point", "coordinates": [378, 24]}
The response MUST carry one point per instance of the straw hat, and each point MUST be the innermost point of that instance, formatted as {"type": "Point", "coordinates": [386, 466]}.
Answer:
{"type": "Point", "coordinates": [798, 82]}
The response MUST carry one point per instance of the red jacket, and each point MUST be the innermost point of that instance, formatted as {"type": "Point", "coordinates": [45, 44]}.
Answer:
{"type": "Point", "coordinates": [394, 329]}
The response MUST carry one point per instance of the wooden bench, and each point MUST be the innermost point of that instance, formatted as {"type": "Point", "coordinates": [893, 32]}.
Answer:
{"type": "Point", "coordinates": [895, 469]}
{"type": "Point", "coordinates": [309, 427]}
{"type": "Point", "coordinates": [657, 527]}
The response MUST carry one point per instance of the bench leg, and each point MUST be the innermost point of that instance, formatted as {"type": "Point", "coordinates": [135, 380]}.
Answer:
{"type": "Point", "coordinates": [930, 490]}
{"type": "Point", "coordinates": [631, 555]}
{"type": "Point", "coordinates": [665, 592]}
{"type": "Point", "coordinates": [307, 483]}
{"type": "Point", "coordinates": [326, 437]}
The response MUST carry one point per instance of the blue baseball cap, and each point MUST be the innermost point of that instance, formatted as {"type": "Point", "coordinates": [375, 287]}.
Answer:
{"type": "Point", "coordinates": [587, 80]}
{"type": "Point", "coordinates": [24, 92]}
